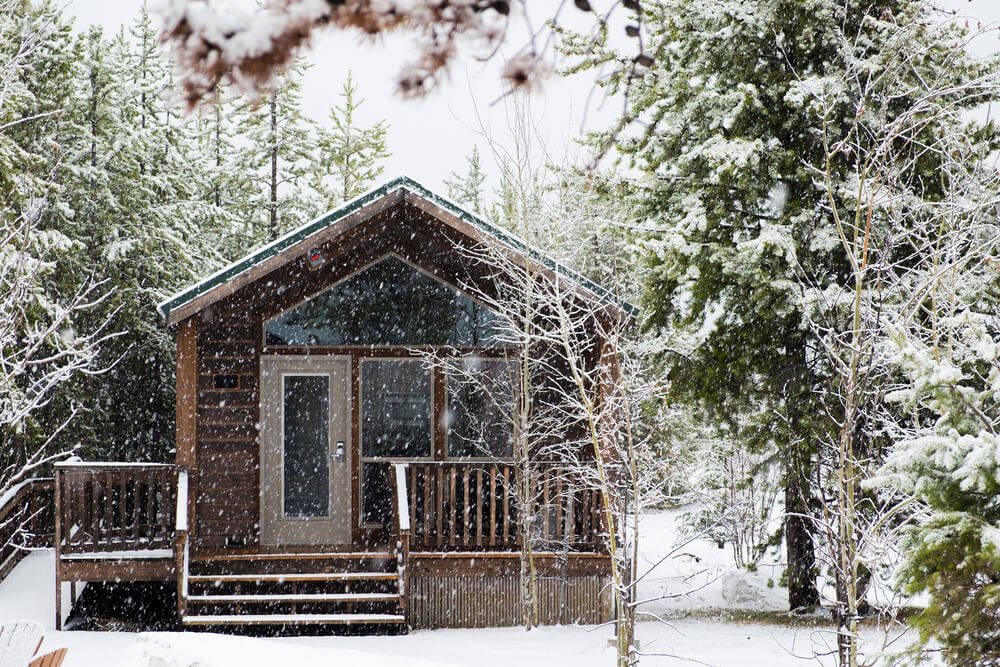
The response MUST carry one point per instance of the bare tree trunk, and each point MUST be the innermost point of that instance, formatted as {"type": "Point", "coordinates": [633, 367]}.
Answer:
{"type": "Point", "coordinates": [272, 226]}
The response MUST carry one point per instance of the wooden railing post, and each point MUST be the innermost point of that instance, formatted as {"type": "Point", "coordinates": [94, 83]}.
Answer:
{"type": "Point", "coordinates": [402, 531]}
{"type": "Point", "coordinates": [57, 544]}
{"type": "Point", "coordinates": [181, 542]}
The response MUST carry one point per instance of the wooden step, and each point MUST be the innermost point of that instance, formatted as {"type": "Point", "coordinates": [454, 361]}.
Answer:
{"type": "Point", "coordinates": [321, 555]}
{"type": "Point", "coordinates": [297, 597]}
{"type": "Point", "coordinates": [293, 619]}
{"type": "Point", "coordinates": [297, 576]}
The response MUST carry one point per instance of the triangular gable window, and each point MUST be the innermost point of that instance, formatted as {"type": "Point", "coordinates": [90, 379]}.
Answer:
{"type": "Point", "coordinates": [388, 303]}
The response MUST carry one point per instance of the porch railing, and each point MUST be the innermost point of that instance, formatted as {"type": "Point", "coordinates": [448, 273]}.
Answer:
{"type": "Point", "coordinates": [474, 506]}
{"type": "Point", "coordinates": [106, 507]}
{"type": "Point", "coordinates": [26, 521]}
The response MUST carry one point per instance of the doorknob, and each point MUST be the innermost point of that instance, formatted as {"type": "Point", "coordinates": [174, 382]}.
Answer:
{"type": "Point", "coordinates": [339, 454]}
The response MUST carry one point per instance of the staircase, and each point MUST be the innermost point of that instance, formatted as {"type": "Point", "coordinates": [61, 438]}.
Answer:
{"type": "Point", "coordinates": [362, 589]}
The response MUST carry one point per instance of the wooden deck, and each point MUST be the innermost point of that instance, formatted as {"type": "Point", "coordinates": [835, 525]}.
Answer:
{"type": "Point", "coordinates": [455, 525]}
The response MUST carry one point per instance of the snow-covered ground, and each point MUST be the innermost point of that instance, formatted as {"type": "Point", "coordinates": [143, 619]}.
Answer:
{"type": "Point", "coordinates": [697, 625]}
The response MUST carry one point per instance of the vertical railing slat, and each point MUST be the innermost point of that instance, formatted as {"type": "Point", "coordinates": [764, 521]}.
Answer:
{"type": "Point", "coordinates": [428, 516]}
{"type": "Point", "coordinates": [493, 505]}
{"type": "Point", "coordinates": [479, 507]}
{"type": "Point", "coordinates": [506, 504]}
{"type": "Point", "coordinates": [452, 508]}
{"type": "Point", "coordinates": [439, 503]}
{"type": "Point", "coordinates": [465, 506]}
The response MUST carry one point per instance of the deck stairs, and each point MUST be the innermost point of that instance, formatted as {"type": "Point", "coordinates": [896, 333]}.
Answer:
{"type": "Point", "coordinates": [362, 589]}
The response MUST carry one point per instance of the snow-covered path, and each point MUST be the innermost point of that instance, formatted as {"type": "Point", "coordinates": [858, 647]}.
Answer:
{"type": "Point", "coordinates": [28, 594]}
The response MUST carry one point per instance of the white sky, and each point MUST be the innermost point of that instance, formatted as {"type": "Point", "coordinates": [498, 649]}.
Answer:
{"type": "Point", "coordinates": [430, 138]}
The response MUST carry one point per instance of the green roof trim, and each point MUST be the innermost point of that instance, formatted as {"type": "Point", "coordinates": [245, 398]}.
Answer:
{"type": "Point", "coordinates": [402, 182]}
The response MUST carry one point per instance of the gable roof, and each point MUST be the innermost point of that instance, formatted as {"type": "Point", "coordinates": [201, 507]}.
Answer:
{"type": "Point", "coordinates": [230, 278]}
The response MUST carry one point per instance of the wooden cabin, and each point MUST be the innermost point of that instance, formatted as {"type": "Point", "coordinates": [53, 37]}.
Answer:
{"type": "Point", "coordinates": [321, 476]}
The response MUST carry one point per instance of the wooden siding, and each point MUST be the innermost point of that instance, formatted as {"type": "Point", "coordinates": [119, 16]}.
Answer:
{"type": "Point", "coordinates": [464, 601]}
{"type": "Point", "coordinates": [227, 486]}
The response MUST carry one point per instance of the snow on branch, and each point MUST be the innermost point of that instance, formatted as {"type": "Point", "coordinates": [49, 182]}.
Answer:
{"type": "Point", "coordinates": [214, 43]}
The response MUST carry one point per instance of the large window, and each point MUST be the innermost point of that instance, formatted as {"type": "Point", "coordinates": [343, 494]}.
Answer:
{"type": "Point", "coordinates": [395, 424]}
{"type": "Point", "coordinates": [480, 406]}
{"type": "Point", "coordinates": [388, 303]}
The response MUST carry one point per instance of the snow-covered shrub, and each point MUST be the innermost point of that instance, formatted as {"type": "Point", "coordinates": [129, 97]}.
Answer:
{"type": "Point", "coordinates": [734, 491]}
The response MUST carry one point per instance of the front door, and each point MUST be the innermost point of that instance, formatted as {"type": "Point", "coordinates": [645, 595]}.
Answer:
{"type": "Point", "coordinates": [305, 451]}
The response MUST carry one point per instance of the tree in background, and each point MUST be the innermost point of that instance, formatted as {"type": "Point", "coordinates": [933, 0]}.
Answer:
{"type": "Point", "coordinates": [735, 214]}
{"type": "Point", "coordinates": [228, 189]}
{"type": "Point", "coordinates": [42, 345]}
{"type": "Point", "coordinates": [146, 233]}
{"type": "Point", "coordinates": [467, 189]}
{"type": "Point", "coordinates": [346, 152]}
{"type": "Point", "coordinates": [110, 179]}
{"type": "Point", "coordinates": [280, 145]}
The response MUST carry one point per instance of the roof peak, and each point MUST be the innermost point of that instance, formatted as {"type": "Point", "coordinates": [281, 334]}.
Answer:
{"type": "Point", "coordinates": [302, 233]}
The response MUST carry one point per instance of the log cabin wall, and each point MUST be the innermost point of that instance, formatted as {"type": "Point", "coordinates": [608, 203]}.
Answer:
{"type": "Point", "coordinates": [230, 342]}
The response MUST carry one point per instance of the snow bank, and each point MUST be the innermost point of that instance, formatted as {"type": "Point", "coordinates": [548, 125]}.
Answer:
{"type": "Point", "coordinates": [698, 576]}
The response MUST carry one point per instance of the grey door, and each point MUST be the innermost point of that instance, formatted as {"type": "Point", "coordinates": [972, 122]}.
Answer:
{"type": "Point", "coordinates": [305, 457]}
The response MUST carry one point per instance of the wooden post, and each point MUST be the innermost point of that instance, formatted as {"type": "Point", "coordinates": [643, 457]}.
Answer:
{"type": "Point", "coordinates": [57, 540]}
{"type": "Point", "coordinates": [181, 541]}
{"type": "Point", "coordinates": [187, 410]}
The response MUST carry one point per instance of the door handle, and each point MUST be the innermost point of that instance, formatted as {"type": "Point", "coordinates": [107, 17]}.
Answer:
{"type": "Point", "coordinates": [339, 453]}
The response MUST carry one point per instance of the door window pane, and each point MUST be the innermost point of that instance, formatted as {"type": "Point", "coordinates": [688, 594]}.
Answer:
{"type": "Point", "coordinates": [389, 303]}
{"type": "Point", "coordinates": [306, 433]}
{"type": "Point", "coordinates": [480, 404]}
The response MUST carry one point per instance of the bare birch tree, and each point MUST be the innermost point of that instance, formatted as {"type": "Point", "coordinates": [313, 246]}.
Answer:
{"type": "Point", "coordinates": [904, 236]}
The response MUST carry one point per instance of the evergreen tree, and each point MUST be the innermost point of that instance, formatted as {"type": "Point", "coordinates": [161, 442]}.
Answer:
{"type": "Point", "coordinates": [228, 190]}
{"type": "Point", "coordinates": [143, 228]}
{"type": "Point", "coordinates": [37, 70]}
{"type": "Point", "coordinates": [467, 189]}
{"type": "Point", "coordinates": [730, 152]}
{"type": "Point", "coordinates": [346, 152]}
{"type": "Point", "coordinates": [278, 158]}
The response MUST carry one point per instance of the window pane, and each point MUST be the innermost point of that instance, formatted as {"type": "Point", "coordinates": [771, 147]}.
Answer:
{"type": "Point", "coordinates": [395, 421]}
{"type": "Point", "coordinates": [395, 408]}
{"type": "Point", "coordinates": [389, 303]}
{"type": "Point", "coordinates": [306, 445]}
{"type": "Point", "coordinates": [480, 400]}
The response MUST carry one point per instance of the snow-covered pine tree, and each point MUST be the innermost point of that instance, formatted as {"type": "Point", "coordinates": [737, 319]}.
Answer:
{"type": "Point", "coordinates": [945, 459]}
{"type": "Point", "coordinates": [347, 153]}
{"type": "Point", "coordinates": [138, 222]}
{"type": "Point", "coordinates": [467, 189]}
{"type": "Point", "coordinates": [43, 344]}
{"type": "Point", "coordinates": [735, 213]}
{"type": "Point", "coordinates": [228, 191]}
{"type": "Point", "coordinates": [279, 159]}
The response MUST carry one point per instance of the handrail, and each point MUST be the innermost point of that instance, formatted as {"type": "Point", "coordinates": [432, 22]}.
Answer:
{"type": "Point", "coordinates": [26, 505]}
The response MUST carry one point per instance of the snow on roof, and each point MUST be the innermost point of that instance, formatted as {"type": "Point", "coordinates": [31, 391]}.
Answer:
{"type": "Point", "coordinates": [326, 220]}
